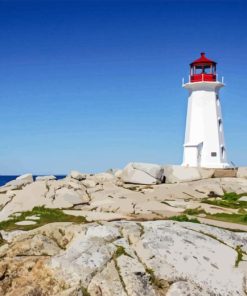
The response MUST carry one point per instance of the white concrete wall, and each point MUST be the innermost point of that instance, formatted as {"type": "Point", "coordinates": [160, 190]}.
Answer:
{"type": "Point", "coordinates": [203, 132]}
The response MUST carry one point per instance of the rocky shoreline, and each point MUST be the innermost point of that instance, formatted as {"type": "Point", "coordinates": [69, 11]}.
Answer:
{"type": "Point", "coordinates": [143, 230]}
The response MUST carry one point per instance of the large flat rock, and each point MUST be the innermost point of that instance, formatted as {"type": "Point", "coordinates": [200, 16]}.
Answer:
{"type": "Point", "coordinates": [177, 174]}
{"type": "Point", "coordinates": [142, 173]}
{"type": "Point", "coordinates": [125, 258]}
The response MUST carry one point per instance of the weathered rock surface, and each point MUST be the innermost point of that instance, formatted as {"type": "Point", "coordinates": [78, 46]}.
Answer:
{"type": "Point", "coordinates": [142, 173]}
{"type": "Point", "coordinates": [30, 196]}
{"type": "Point", "coordinates": [45, 178]}
{"type": "Point", "coordinates": [118, 173]}
{"type": "Point", "coordinates": [184, 288]}
{"type": "Point", "coordinates": [119, 254]}
{"type": "Point", "coordinates": [242, 172]}
{"type": "Point", "coordinates": [89, 183]}
{"type": "Point", "coordinates": [123, 258]}
{"type": "Point", "coordinates": [18, 183]}
{"type": "Point", "coordinates": [102, 177]}
{"type": "Point", "coordinates": [107, 282]}
{"type": "Point", "coordinates": [177, 174]}
{"type": "Point", "coordinates": [77, 175]}
{"type": "Point", "coordinates": [27, 177]}
{"type": "Point", "coordinates": [105, 196]}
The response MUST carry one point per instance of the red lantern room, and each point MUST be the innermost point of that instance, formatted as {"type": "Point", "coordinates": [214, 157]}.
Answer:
{"type": "Point", "coordinates": [203, 69]}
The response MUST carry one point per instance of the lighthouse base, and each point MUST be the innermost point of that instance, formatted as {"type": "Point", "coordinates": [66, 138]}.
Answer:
{"type": "Point", "coordinates": [210, 165]}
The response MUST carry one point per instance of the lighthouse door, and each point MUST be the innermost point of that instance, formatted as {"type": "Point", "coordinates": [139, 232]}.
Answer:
{"type": "Point", "coordinates": [199, 154]}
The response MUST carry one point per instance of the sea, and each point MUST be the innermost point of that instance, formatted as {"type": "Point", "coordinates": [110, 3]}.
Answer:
{"type": "Point", "coordinates": [6, 179]}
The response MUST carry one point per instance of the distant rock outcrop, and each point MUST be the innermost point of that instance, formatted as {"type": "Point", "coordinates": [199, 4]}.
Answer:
{"type": "Point", "coordinates": [45, 178]}
{"type": "Point", "coordinates": [26, 177]}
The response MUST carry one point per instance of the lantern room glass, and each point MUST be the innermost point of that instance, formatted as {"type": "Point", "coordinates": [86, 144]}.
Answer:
{"type": "Point", "coordinates": [203, 69]}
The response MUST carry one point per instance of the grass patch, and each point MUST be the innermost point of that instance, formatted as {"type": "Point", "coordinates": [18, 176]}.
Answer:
{"type": "Point", "coordinates": [120, 251]}
{"type": "Point", "coordinates": [153, 280]}
{"type": "Point", "coordinates": [84, 291]}
{"type": "Point", "coordinates": [228, 200]}
{"type": "Point", "coordinates": [46, 216]}
{"type": "Point", "coordinates": [230, 196]}
{"type": "Point", "coordinates": [134, 188]}
{"type": "Point", "coordinates": [240, 255]}
{"type": "Point", "coordinates": [141, 229]}
{"type": "Point", "coordinates": [233, 218]}
{"type": "Point", "coordinates": [2, 241]}
{"type": "Point", "coordinates": [195, 211]}
{"type": "Point", "coordinates": [184, 218]}
{"type": "Point", "coordinates": [226, 204]}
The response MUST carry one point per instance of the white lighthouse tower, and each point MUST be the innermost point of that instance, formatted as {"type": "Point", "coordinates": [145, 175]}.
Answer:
{"type": "Point", "coordinates": [204, 137]}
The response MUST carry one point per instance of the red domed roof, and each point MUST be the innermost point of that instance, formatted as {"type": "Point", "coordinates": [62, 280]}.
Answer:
{"type": "Point", "coordinates": [203, 60]}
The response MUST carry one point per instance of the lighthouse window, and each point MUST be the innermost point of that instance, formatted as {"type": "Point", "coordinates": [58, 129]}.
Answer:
{"type": "Point", "coordinates": [207, 70]}
{"type": "Point", "coordinates": [220, 124]}
{"type": "Point", "coordinates": [222, 151]}
{"type": "Point", "coordinates": [213, 154]}
{"type": "Point", "coordinates": [218, 100]}
{"type": "Point", "coordinates": [198, 70]}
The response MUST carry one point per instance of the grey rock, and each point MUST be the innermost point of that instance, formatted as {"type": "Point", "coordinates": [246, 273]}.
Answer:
{"type": "Point", "coordinates": [243, 198]}
{"type": "Point", "coordinates": [77, 175]}
{"type": "Point", "coordinates": [45, 178]}
{"type": "Point", "coordinates": [142, 173]}
{"type": "Point", "coordinates": [178, 174]}
{"type": "Point", "coordinates": [27, 177]}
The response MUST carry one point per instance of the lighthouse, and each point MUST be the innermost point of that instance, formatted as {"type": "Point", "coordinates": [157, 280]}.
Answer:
{"type": "Point", "coordinates": [204, 144]}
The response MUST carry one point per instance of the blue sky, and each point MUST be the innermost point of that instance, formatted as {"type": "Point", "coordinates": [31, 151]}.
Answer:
{"type": "Point", "coordinates": [91, 85]}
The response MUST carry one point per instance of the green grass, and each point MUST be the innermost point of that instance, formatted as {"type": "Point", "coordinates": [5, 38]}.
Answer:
{"type": "Point", "coordinates": [184, 218]}
{"type": "Point", "coordinates": [2, 241]}
{"type": "Point", "coordinates": [230, 196]}
{"type": "Point", "coordinates": [228, 200]}
{"type": "Point", "coordinates": [195, 211]}
{"type": "Point", "coordinates": [232, 218]}
{"type": "Point", "coordinates": [240, 255]}
{"type": "Point", "coordinates": [227, 204]}
{"type": "Point", "coordinates": [84, 292]}
{"type": "Point", "coordinates": [120, 251]}
{"type": "Point", "coordinates": [153, 279]}
{"type": "Point", "coordinates": [46, 215]}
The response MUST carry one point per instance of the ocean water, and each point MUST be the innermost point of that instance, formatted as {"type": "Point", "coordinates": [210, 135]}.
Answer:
{"type": "Point", "coordinates": [6, 179]}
